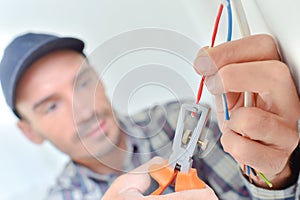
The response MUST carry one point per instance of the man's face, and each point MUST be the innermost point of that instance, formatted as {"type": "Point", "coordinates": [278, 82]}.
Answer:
{"type": "Point", "coordinates": [62, 100]}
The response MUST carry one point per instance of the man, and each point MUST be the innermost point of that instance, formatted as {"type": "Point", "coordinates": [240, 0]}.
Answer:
{"type": "Point", "coordinates": [49, 85]}
{"type": "Point", "coordinates": [57, 96]}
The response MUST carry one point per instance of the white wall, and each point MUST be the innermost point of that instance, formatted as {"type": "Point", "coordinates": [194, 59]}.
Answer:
{"type": "Point", "coordinates": [27, 169]}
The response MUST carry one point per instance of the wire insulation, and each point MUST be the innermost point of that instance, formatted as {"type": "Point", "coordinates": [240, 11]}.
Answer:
{"type": "Point", "coordinates": [216, 26]}
{"type": "Point", "coordinates": [245, 32]}
{"type": "Point", "coordinates": [229, 36]}
{"type": "Point", "coordinates": [241, 18]}
{"type": "Point", "coordinates": [214, 35]}
{"type": "Point", "coordinates": [200, 89]}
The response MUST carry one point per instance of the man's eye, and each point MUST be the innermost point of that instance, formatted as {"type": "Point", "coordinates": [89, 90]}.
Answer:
{"type": "Point", "coordinates": [50, 107]}
{"type": "Point", "coordinates": [84, 83]}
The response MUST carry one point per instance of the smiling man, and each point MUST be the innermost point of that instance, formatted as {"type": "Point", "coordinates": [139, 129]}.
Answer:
{"type": "Point", "coordinates": [64, 87]}
{"type": "Point", "coordinates": [57, 96]}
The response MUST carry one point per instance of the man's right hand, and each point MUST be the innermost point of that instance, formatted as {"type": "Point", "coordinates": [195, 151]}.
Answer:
{"type": "Point", "coordinates": [132, 185]}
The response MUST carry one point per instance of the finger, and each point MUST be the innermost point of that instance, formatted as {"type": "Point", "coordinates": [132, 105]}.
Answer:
{"type": "Point", "coordinates": [145, 167]}
{"type": "Point", "coordinates": [272, 81]}
{"type": "Point", "coordinates": [253, 153]}
{"type": "Point", "coordinates": [259, 77]}
{"type": "Point", "coordinates": [132, 184]}
{"type": "Point", "coordinates": [206, 193]}
{"type": "Point", "coordinates": [263, 126]}
{"type": "Point", "coordinates": [139, 177]}
{"type": "Point", "coordinates": [263, 76]}
{"type": "Point", "coordinates": [233, 100]}
{"type": "Point", "coordinates": [248, 49]}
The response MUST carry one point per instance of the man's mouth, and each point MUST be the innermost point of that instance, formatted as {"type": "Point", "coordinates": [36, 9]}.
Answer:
{"type": "Point", "coordinates": [99, 129]}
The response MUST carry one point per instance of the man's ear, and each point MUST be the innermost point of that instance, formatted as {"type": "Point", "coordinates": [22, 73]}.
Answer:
{"type": "Point", "coordinates": [27, 130]}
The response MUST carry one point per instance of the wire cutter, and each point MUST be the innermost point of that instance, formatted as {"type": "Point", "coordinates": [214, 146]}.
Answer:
{"type": "Point", "coordinates": [178, 168]}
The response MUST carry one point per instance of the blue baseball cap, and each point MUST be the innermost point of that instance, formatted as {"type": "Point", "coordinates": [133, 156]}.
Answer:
{"type": "Point", "coordinates": [22, 52]}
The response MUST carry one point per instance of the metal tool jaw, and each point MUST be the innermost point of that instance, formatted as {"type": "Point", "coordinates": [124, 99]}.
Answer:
{"type": "Point", "coordinates": [187, 136]}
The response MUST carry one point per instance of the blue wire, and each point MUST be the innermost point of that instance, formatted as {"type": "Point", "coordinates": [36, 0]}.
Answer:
{"type": "Point", "coordinates": [229, 35]}
{"type": "Point", "coordinates": [229, 13]}
{"type": "Point", "coordinates": [248, 170]}
{"type": "Point", "coordinates": [225, 107]}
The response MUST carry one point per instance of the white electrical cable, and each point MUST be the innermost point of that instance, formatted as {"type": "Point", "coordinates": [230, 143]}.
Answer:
{"type": "Point", "coordinates": [241, 17]}
{"type": "Point", "coordinates": [245, 32]}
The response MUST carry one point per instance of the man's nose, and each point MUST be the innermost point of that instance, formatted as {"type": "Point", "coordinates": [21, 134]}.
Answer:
{"type": "Point", "coordinates": [82, 106]}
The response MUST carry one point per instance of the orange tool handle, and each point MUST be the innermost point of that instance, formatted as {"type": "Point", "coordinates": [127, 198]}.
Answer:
{"type": "Point", "coordinates": [188, 181]}
{"type": "Point", "coordinates": [163, 175]}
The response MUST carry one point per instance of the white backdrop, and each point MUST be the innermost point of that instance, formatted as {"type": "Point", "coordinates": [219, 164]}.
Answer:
{"type": "Point", "coordinates": [27, 170]}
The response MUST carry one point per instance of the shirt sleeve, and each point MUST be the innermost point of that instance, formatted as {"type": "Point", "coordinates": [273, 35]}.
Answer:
{"type": "Point", "coordinates": [258, 193]}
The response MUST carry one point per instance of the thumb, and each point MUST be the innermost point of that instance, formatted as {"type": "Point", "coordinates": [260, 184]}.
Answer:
{"type": "Point", "coordinates": [133, 184]}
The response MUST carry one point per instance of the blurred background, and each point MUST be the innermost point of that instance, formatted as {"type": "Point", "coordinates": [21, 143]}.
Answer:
{"type": "Point", "coordinates": [27, 170]}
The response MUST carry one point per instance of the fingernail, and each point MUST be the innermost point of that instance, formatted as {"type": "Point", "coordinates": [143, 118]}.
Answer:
{"type": "Point", "coordinates": [203, 64]}
{"type": "Point", "coordinates": [214, 84]}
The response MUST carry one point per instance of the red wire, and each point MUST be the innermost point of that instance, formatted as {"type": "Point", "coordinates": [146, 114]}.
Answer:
{"type": "Point", "coordinates": [216, 25]}
{"type": "Point", "coordinates": [212, 44]}
{"type": "Point", "coordinates": [200, 89]}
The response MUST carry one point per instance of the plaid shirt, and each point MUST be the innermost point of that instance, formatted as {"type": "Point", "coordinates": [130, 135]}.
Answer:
{"type": "Point", "coordinates": [148, 137]}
